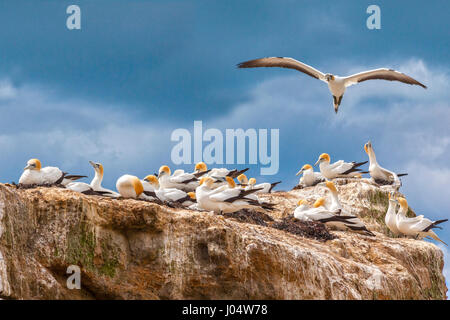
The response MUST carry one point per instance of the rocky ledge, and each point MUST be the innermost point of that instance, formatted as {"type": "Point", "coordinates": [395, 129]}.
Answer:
{"type": "Point", "coordinates": [129, 249]}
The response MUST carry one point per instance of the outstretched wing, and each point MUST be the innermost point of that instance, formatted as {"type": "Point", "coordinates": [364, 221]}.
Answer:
{"type": "Point", "coordinates": [283, 62]}
{"type": "Point", "coordinates": [381, 74]}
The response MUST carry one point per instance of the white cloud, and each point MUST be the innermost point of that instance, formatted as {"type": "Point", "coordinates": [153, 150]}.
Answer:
{"type": "Point", "coordinates": [7, 90]}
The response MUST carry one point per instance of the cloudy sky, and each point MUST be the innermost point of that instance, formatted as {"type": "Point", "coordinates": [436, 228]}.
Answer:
{"type": "Point", "coordinates": [115, 90]}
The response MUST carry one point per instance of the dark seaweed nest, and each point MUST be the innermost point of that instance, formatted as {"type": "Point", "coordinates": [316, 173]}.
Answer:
{"type": "Point", "coordinates": [32, 186]}
{"type": "Point", "coordinates": [250, 216]}
{"type": "Point", "coordinates": [312, 230]}
{"type": "Point", "coordinates": [307, 229]}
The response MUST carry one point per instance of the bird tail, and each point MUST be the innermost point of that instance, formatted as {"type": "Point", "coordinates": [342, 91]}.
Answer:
{"type": "Point", "coordinates": [74, 177]}
{"type": "Point", "coordinates": [435, 237]}
{"type": "Point", "coordinates": [355, 168]}
{"type": "Point", "coordinates": [235, 173]}
{"type": "Point", "coordinates": [199, 174]}
{"type": "Point", "coordinates": [272, 185]}
{"type": "Point", "coordinates": [434, 225]}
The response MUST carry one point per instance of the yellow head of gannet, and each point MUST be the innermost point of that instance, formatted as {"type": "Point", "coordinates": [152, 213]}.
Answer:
{"type": "Point", "coordinates": [242, 178]}
{"type": "Point", "coordinates": [137, 184]}
{"type": "Point", "coordinates": [192, 195]}
{"type": "Point", "coordinates": [98, 167]}
{"type": "Point", "coordinates": [403, 203]}
{"type": "Point", "coordinates": [324, 157]}
{"type": "Point", "coordinates": [207, 181]}
{"type": "Point", "coordinates": [151, 179]}
{"type": "Point", "coordinates": [319, 202]}
{"type": "Point", "coordinates": [201, 167]}
{"type": "Point", "coordinates": [304, 168]}
{"type": "Point", "coordinates": [33, 164]}
{"type": "Point", "coordinates": [164, 170]}
{"type": "Point", "coordinates": [231, 182]}
{"type": "Point", "coordinates": [300, 202]}
{"type": "Point", "coordinates": [366, 147]}
{"type": "Point", "coordinates": [252, 181]}
{"type": "Point", "coordinates": [330, 185]}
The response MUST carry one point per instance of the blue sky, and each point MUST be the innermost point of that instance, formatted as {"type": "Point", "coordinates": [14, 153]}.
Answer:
{"type": "Point", "coordinates": [115, 90]}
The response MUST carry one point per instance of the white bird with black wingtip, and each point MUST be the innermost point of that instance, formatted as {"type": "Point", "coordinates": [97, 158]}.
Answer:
{"type": "Point", "coordinates": [336, 84]}
{"type": "Point", "coordinates": [34, 174]}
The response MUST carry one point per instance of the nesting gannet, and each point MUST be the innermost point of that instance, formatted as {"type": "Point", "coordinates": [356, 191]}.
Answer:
{"type": "Point", "coordinates": [336, 84]}
{"type": "Point", "coordinates": [339, 169]}
{"type": "Point", "coordinates": [355, 224]}
{"type": "Point", "coordinates": [129, 186]}
{"type": "Point", "coordinates": [183, 180]}
{"type": "Point", "coordinates": [85, 188]}
{"type": "Point", "coordinates": [249, 184]}
{"type": "Point", "coordinates": [33, 173]}
{"type": "Point", "coordinates": [319, 213]}
{"type": "Point", "coordinates": [153, 189]}
{"type": "Point", "coordinates": [309, 178]}
{"type": "Point", "coordinates": [419, 227]}
{"type": "Point", "coordinates": [96, 183]}
{"type": "Point", "coordinates": [218, 172]}
{"type": "Point", "coordinates": [391, 216]}
{"type": "Point", "coordinates": [224, 199]}
{"type": "Point", "coordinates": [378, 173]}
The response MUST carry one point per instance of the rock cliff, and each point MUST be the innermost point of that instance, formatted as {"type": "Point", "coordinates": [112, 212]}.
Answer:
{"type": "Point", "coordinates": [129, 249]}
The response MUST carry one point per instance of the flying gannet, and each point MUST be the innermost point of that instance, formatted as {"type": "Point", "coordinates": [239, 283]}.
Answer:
{"type": "Point", "coordinates": [419, 227]}
{"type": "Point", "coordinates": [249, 184]}
{"type": "Point", "coordinates": [154, 189]}
{"type": "Point", "coordinates": [129, 186]}
{"type": "Point", "coordinates": [336, 84]}
{"type": "Point", "coordinates": [34, 174]}
{"type": "Point", "coordinates": [378, 173]}
{"type": "Point", "coordinates": [224, 200]}
{"type": "Point", "coordinates": [309, 178]}
{"type": "Point", "coordinates": [339, 169]}
{"type": "Point", "coordinates": [96, 183]}
{"type": "Point", "coordinates": [391, 216]}
{"type": "Point", "coordinates": [319, 213]}
{"type": "Point", "coordinates": [355, 224]}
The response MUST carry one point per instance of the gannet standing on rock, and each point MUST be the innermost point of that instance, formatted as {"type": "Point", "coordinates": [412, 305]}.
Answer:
{"type": "Point", "coordinates": [354, 224]}
{"type": "Point", "coordinates": [129, 186]}
{"type": "Point", "coordinates": [419, 227]}
{"type": "Point", "coordinates": [339, 169]}
{"type": "Point", "coordinates": [309, 178]}
{"type": "Point", "coordinates": [224, 200]}
{"type": "Point", "coordinates": [264, 187]}
{"type": "Point", "coordinates": [96, 183]}
{"type": "Point", "coordinates": [391, 216]}
{"type": "Point", "coordinates": [378, 173]}
{"type": "Point", "coordinates": [336, 84]}
{"type": "Point", "coordinates": [34, 174]}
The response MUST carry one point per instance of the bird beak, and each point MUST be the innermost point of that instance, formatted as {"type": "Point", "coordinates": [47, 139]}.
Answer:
{"type": "Point", "coordinates": [318, 161]}
{"type": "Point", "coordinates": [300, 172]}
{"type": "Point", "coordinates": [92, 163]}
{"type": "Point", "coordinates": [27, 167]}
